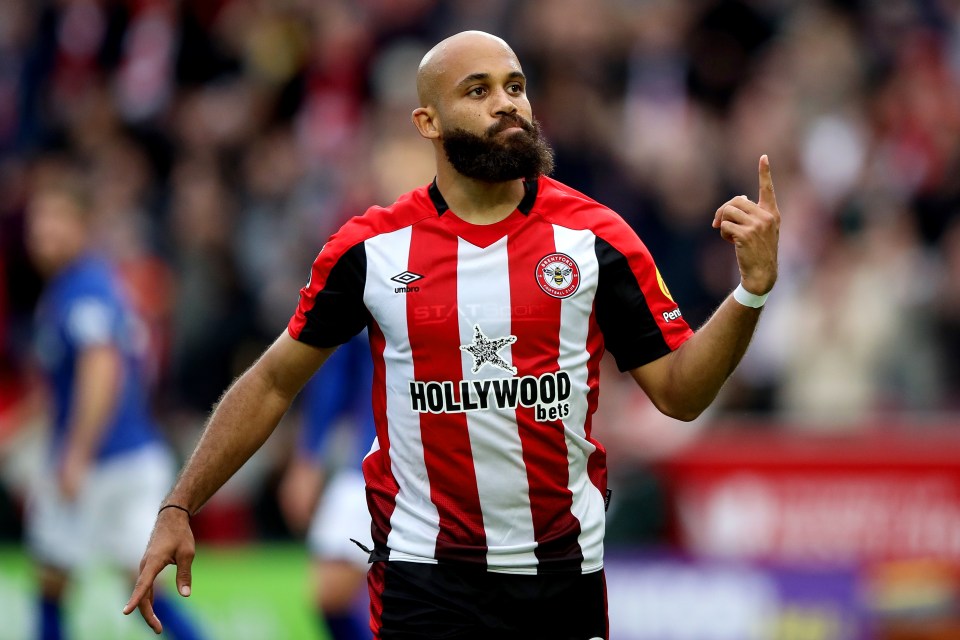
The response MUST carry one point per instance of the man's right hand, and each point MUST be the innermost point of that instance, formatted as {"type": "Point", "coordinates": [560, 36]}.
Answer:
{"type": "Point", "coordinates": [170, 543]}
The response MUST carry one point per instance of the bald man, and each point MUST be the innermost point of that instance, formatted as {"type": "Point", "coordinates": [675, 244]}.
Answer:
{"type": "Point", "coordinates": [490, 296]}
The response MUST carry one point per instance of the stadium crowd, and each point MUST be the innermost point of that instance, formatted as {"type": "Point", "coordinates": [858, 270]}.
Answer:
{"type": "Point", "coordinates": [225, 140]}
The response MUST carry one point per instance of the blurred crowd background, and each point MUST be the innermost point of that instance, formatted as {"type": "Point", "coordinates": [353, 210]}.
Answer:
{"type": "Point", "coordinates": [226, 139]}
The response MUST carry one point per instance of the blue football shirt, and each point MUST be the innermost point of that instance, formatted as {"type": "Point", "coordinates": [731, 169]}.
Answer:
{"type": "Point", "coordinates": [84, 306]}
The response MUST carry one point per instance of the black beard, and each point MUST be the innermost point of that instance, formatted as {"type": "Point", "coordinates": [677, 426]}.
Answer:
{"type": "Point", "coordinates": [522, 154]}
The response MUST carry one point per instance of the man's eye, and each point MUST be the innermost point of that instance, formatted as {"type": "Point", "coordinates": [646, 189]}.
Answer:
{"type": "Point", "coordinates": [477, 91]}
{"type": "Point", "coordinates": [516, 88]}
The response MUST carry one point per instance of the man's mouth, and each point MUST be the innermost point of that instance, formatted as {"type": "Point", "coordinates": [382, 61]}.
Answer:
{"type": "Point", "coordinates": [509, 124]}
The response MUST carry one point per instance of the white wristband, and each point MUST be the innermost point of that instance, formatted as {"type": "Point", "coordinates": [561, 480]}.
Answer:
{"type": "Point", "coordinates": [748, 299]}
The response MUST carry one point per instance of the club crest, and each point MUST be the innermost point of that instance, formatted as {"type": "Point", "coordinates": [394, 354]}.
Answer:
{"type": "Point", "coordinates": [558, 275]}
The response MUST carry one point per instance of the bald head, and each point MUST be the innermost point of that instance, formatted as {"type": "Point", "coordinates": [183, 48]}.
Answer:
{"type": "Point", "coordinates": [441, 64]}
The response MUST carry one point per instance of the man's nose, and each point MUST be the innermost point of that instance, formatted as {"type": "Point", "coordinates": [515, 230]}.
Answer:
{"type": "Point", "coordinates": [505, 106]}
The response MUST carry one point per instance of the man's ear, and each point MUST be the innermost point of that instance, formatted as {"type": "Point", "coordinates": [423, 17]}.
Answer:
{"type": "Point", "coordinates": [425, 120]}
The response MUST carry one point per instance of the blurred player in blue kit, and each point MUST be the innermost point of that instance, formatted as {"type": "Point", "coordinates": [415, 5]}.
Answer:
{"type": "Point", "coordinates": [337, 431]}
{"type": "Point", "coordinates": [107, 468]}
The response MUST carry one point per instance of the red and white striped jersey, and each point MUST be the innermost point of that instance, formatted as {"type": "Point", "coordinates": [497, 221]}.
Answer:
{"type": "Point", "coordinates": [486, 342]}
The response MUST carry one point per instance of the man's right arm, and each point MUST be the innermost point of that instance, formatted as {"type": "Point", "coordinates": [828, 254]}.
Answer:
{"type": "Point", "coordinates": [241, 422]}
{"type": "Point", "coordinates": [243, 419]}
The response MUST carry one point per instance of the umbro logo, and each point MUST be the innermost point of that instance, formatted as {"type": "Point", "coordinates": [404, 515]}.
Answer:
{"type": "Point", "coordinates": [406, 279]}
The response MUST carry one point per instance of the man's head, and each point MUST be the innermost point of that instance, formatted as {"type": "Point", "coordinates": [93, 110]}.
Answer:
{"type": "Point", "coordinates": [57, 222]}
{"type": "Point", "coordinates": [474, 106]}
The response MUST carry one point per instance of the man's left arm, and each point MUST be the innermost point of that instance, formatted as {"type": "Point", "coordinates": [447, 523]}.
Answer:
{"type": "Point", "coordinates": [684, 382]}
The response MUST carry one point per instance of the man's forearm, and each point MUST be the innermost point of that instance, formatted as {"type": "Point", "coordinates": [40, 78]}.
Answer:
{"type": "Point", "coordinates": [685, 382]}
{"type": "Point", "coordinates": [706, 361]}
{"type": "Point", "coordinates": [246, 415]}
{"type": "Point", "coordinates": [96, 388]}
{"type": "Point", "coordinates": [241, 422]}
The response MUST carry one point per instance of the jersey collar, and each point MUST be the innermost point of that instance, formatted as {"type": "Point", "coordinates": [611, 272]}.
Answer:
{"type": "Point", "coordinates": [525, 206]}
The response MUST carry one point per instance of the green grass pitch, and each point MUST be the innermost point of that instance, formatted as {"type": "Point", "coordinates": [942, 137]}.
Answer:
{"type": "Point", "coordinates": [241, 593]}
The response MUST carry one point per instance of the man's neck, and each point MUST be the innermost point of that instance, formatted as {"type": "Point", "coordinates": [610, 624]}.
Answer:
{"type": "Point", "coordinates": [476, 201]}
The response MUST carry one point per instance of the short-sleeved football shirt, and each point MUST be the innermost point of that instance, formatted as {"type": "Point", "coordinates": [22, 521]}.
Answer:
{"type": "Point", "coordinates": [486, 344]}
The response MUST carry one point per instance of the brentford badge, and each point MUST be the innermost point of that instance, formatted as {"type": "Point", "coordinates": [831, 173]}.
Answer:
{"type": "Point", "coordinates": [558, 275]}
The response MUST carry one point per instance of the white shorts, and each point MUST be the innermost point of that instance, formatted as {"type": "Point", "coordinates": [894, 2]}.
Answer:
{"type": "Point", "coordinates": [342, 514]}
{"type": "Point", "coordinates": [111, 518]}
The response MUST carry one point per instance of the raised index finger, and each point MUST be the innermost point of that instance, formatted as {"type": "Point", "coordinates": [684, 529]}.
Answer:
{"type": "Point", "coordinates": [767, 199]}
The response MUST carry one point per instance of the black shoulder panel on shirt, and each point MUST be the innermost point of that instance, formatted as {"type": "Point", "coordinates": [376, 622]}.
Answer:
{"type": "Point", "coordinates": [630, 332]}
{"type": "Point", "coordinates": [338, 313]}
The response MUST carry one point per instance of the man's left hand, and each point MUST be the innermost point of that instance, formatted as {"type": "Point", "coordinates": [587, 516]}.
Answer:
{"type": "Point", "coordinates": [754, 230]}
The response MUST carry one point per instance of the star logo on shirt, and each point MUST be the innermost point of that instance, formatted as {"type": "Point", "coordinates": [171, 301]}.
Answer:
{"type": "Point", "coordinates": [484, 351]}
